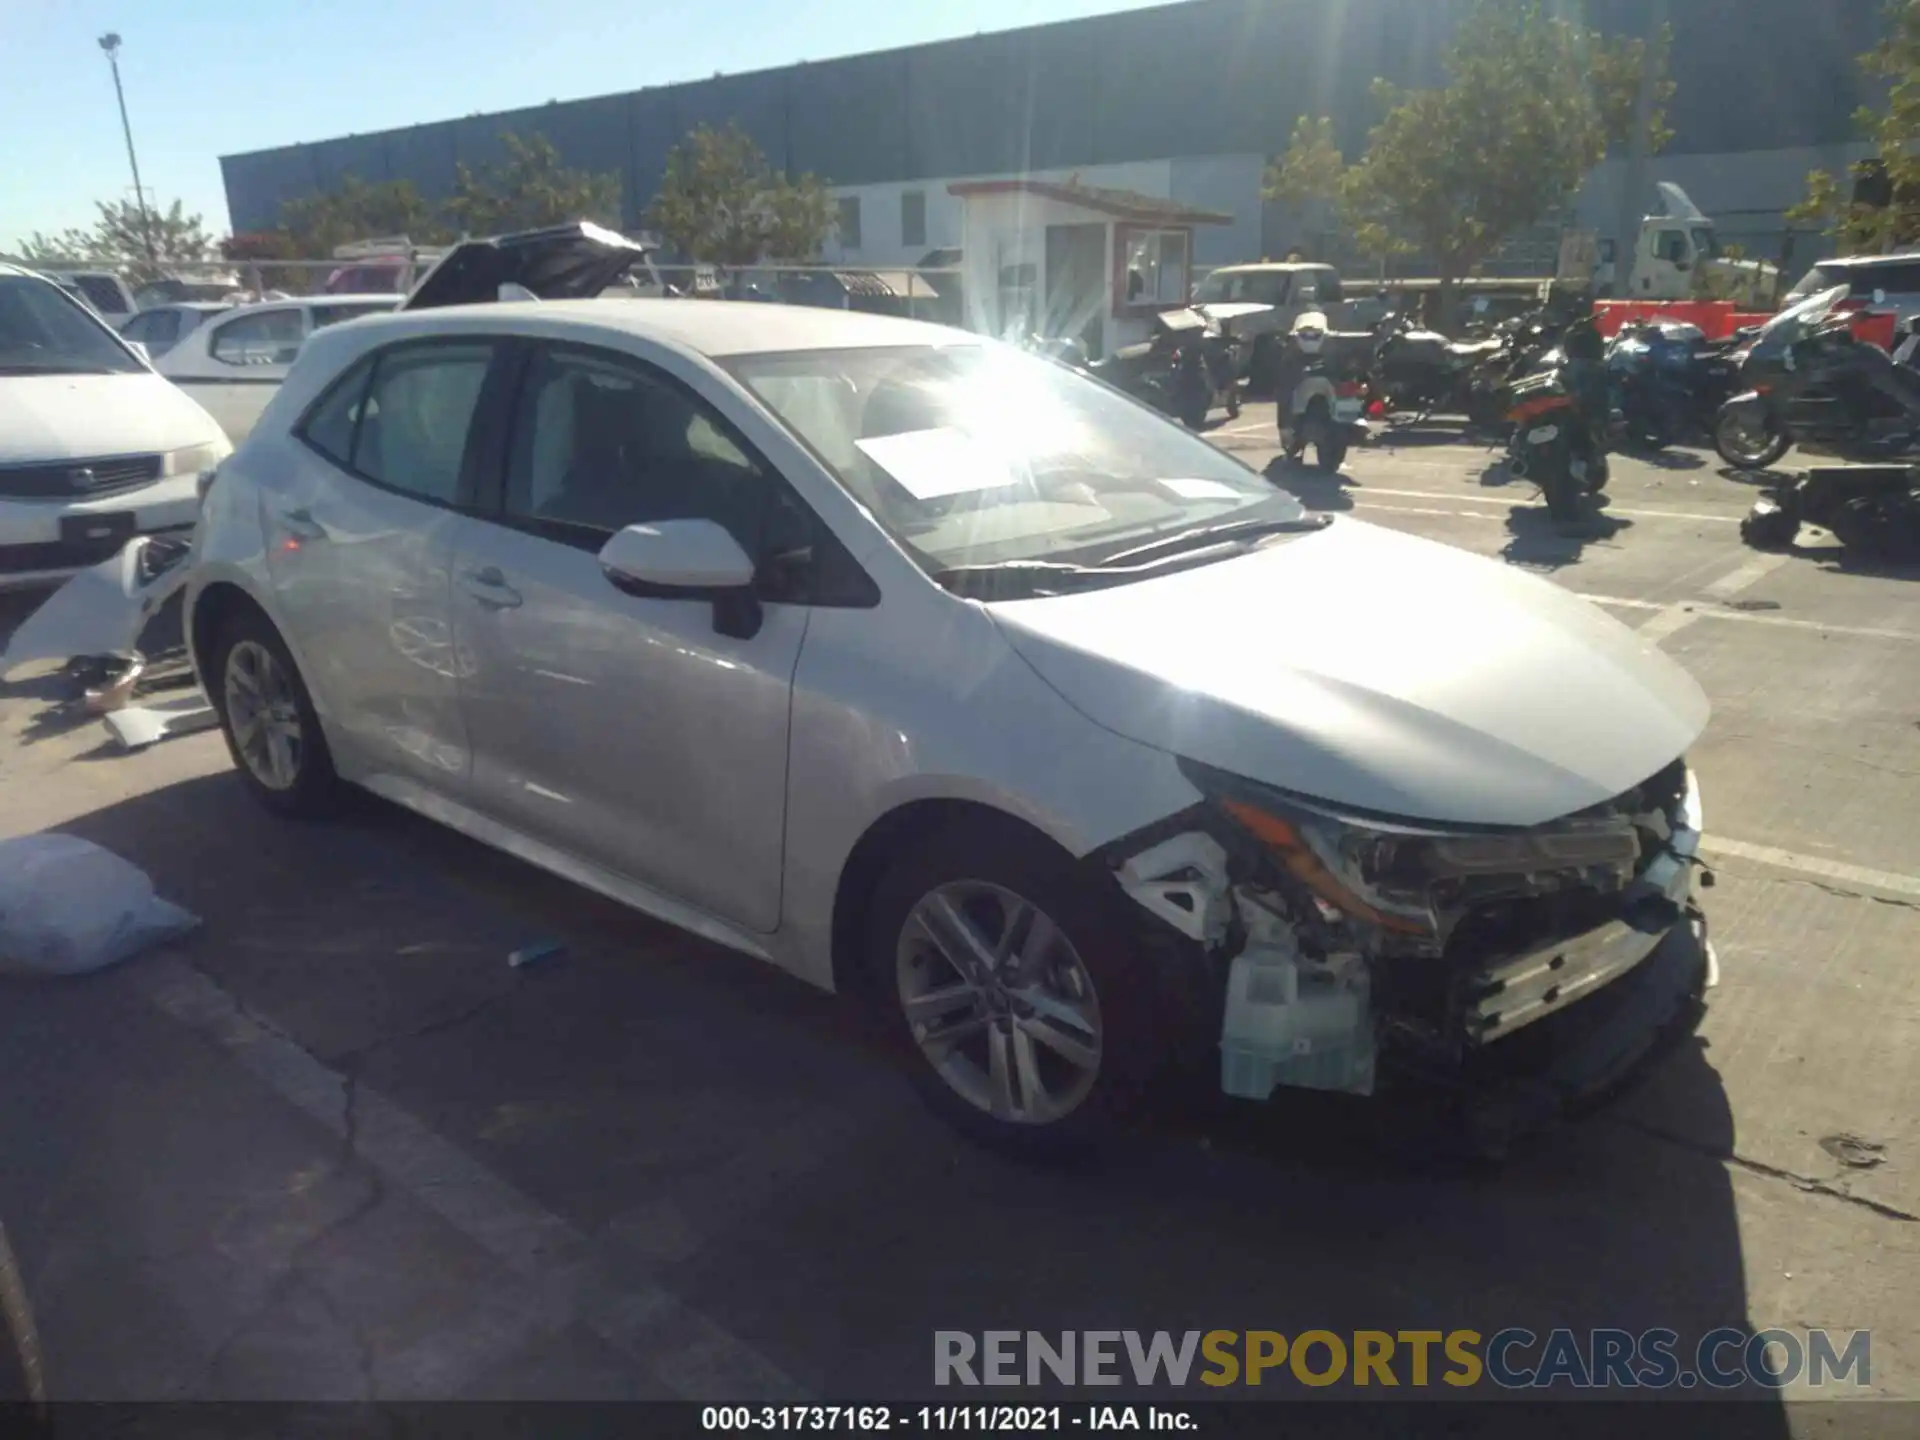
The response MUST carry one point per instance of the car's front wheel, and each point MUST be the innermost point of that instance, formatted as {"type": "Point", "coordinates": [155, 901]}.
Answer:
{"type": "Point", "coordinates": [268, 719]}
{"type": "Point", "coordinates": [1009, 983]}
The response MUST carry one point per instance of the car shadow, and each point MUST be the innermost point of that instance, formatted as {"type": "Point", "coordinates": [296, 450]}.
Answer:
{"type": "Point", "coordinates": [644, 1063]}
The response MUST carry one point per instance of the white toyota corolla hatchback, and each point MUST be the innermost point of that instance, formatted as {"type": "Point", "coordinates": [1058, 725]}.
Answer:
{"type": "Point", "coordinates": [927, 669]}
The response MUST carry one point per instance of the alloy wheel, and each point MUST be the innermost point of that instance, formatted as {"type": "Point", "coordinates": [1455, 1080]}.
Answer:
{"type": "Point", "coordinates": [999, 1002]}
{"type": "Point", "coordinates": [263, 715]}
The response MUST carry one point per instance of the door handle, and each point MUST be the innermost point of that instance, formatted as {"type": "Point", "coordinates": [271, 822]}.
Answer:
{"type": "Point", "coordinates": [301, 525]}
{"type": "Point", "coordinates": [487, 585]}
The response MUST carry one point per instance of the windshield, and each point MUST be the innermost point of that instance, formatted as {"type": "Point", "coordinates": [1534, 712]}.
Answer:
{"type": "Point", "coordinates": [1794, 324]}
{"type": "Point", "coordinates": [45, 332]}
{"type": "Point", "coordinates": [978, 454]}
{"type": "Point", "coordinates": [1218, 287]}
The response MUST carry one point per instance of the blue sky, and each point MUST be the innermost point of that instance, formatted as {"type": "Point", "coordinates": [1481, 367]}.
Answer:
{"type": "Point", "coordinates": [211, 77]}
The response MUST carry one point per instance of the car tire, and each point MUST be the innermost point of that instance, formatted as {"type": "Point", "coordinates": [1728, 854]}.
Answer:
{"type": "Point", "coordinates": [268, 720]}
{"type": "Point", "coordinates": [1069, 1007]}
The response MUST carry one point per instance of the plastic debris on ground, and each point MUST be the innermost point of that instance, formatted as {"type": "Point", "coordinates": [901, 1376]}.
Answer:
{"type": "Point", "coordinates": [535, 953]}
{"type": "Point", "coordinates": [69, 906]}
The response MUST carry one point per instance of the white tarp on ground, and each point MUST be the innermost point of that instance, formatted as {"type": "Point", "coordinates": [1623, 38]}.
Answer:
{"type": "Point", "coordinates": [68, 906]}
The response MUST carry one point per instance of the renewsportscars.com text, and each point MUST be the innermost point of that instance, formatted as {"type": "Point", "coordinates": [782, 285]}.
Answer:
{"type": "Point", "coordinates": [1513, 1359]}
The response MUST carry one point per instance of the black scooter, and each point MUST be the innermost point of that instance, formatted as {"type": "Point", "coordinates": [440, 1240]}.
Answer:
{"type": "Point", "coordinates": [1874, 509]}
{"type": "Point", "coordinates": [1810, 382]}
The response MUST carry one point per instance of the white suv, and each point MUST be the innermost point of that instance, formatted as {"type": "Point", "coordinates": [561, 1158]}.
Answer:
{"type": "Point", "coordinates": [94, 447]}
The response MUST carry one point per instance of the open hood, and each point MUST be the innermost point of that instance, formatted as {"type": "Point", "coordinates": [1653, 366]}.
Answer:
{"type": "Point", "coordinates": [1445, 688]}
{"type": "Point", "coordinates": [565, 262]}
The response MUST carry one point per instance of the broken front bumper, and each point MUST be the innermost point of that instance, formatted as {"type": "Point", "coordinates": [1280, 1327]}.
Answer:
{"type": "Point", "coordinates": [1519, 990]}
{"type": "Point", "coordinates": [1549, 996]}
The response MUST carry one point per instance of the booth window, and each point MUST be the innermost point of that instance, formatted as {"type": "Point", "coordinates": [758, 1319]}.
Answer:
{"type": "Point", "coordinates": [913, 217]}
{"type": "Point", "coordinates": [1154, 269]}
{"type": "Point", "coordinates": [850, 222]}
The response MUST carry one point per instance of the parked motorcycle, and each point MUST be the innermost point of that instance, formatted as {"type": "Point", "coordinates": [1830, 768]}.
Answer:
{"type": "Point", "coordinates": [1560, 416]}
{"type": "Point", "coordinates": [1191, 363]}
{"type": "Point", "coordinates": [1327, 398]}
{"type": "Point", "coordinates": [1810, 382]}
{"type": "Point", "coordinates": [1424, 372]}
{"type": "Point", "coordinates": [1874, 509]}
{"type": "Point", "coordinates": [1649, 369]}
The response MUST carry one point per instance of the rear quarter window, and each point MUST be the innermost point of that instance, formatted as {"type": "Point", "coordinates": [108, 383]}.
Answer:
{"type": "Point", "coordinates": [1896, 278]}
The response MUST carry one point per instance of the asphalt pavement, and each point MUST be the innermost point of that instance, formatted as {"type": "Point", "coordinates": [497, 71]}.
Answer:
{"type": "Point", "coordinates": [333, 1146]}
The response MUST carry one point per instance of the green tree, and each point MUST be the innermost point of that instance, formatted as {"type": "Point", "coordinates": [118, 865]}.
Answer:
{"type": "Point", "coordinates": [1857, 218]}
{"type": "Point", "coordinates": [1531, 105]}
{"type": "Point", "coordinates": [1314, 175]}
{"type": "Point", "coordinates": [721, 203]}
{"type": "Point", "coordinates": [118, 240]}
{"type": "Point", "coordinates": [530, 188]}
{"type": "Point", "coordinates": [356, 210]}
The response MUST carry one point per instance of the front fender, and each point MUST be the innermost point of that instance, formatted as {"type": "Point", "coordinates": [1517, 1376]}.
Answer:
{"type": "Point", "coordinates": [1748, 404]}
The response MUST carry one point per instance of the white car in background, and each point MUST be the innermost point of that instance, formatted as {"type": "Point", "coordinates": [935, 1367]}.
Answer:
{"type": "Point", "coordinates": [94, 447]}
{"type": "Point", "coordinates": [233, 365]}
{"type": "Point", "coordinates": [159, 328]}
{"type": "Point", "coordinates": [103, 290]}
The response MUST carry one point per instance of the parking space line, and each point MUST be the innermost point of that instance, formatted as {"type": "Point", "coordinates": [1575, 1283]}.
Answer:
{"type": "Point", "coordinates": [1741, 617]}
{"type": "Point", "coordinates": [1836, 870]}
{"type": "Point", "coordinates": [1678, 616]}
{"type": "Point", "coordinates": [1460, 499]}
{"type": "Point", "coordinates": [573, 1277]}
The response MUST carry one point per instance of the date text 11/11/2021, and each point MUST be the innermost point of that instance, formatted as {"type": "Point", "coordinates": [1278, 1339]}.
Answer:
{"type": "Point", "coordinates": [941, 1419]}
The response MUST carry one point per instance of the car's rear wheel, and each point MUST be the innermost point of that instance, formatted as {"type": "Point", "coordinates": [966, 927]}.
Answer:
{"type": "Point", "coordinates": [268, 719]}
{"type": "Point", "coordinates": [1010, 985]}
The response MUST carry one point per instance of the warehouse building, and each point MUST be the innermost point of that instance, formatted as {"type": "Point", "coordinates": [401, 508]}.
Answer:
{"type": "Point", "coordinates": [1182, 102]}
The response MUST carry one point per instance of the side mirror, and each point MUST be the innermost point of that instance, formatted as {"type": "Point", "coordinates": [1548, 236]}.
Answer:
{"type": "Point", "coordinates": [687, 560]}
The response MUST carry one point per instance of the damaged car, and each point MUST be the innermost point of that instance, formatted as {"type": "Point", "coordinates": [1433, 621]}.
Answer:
{"type": "Point", "coordinates": [928, 670]}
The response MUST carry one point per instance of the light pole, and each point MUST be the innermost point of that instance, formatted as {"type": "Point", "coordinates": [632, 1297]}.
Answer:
{"type": "Point", "coordinates": [1633, 182]}
{"type": "Point", "coordinates": [110, 43]}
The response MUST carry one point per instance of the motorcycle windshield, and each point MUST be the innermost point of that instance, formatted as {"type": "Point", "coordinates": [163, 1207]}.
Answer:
{"type": "Point", "coordinates": [1791, 326]}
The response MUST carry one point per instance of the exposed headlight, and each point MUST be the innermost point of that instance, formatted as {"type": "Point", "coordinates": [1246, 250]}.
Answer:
{"type": "Point", "coordinates": [1385, 872]}
{"type": "Point", "coordinates": [196, 458]}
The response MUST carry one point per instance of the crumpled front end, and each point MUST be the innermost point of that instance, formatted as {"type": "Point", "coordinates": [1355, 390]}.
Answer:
{"type": "Point", "coordinates": [1340, 949]}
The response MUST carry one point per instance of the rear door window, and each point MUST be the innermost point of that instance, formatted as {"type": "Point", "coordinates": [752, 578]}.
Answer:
{"type": "Point", "coordinates": [271, 337]}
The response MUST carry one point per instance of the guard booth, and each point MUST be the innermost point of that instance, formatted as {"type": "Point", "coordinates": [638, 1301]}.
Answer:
{"type": "Point", "coordinates": [1067, 261]}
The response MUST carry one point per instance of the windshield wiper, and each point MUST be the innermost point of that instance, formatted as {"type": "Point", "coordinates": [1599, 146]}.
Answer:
{"type": "Point", "coordinates": [1220, 533]}
{"type": "Point", "coordinates": [1004, 579]}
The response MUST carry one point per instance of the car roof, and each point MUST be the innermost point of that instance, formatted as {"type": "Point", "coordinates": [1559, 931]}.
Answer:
{"type": "Point", "coordinates": [709, 327]}
{"type": "Point", "coordinates": [1862, 262]}
{"type": "Point", "coordinates": [298, 301]}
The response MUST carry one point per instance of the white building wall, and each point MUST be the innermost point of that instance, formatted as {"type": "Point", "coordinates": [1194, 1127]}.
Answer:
{"type": "Point", "coordinates": [881, 244]}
